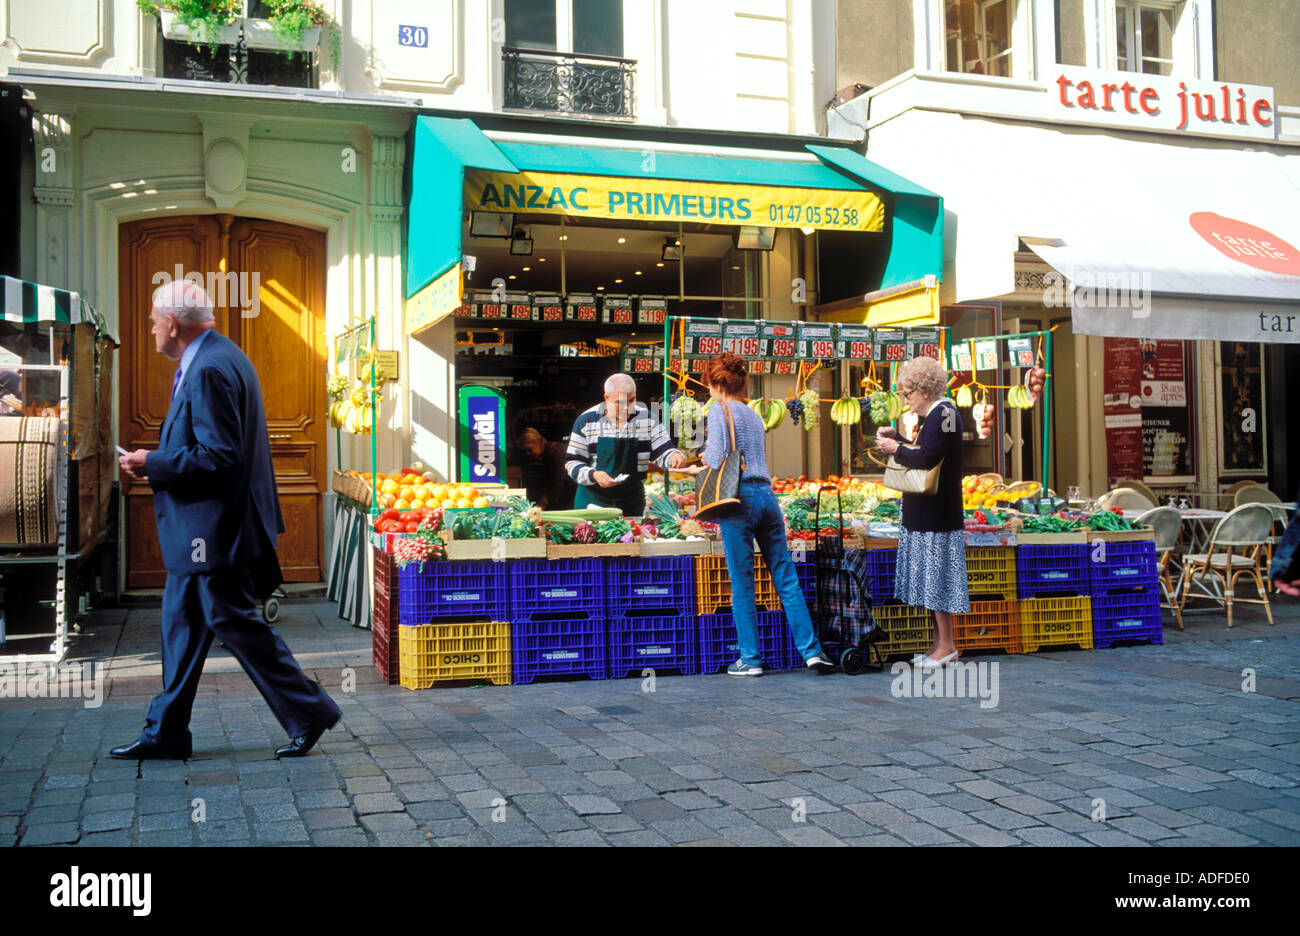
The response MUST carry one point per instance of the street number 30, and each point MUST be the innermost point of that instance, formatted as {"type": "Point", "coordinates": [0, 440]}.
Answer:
{"type": "Point", "coordinates": [413, 36]}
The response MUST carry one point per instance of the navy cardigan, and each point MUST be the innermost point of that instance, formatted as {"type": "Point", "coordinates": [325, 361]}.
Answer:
{"type": "Point", "coordinates": [940, 512]}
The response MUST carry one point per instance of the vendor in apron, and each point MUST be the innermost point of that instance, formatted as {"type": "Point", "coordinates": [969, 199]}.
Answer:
{"type": "Point", "coordinates": [613, 439]}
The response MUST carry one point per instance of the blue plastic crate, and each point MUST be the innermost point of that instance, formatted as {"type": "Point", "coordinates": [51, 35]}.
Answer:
{"type": "Point", "coordinates": [665, 583]}
{"type": "Point", "coordinates": [882, 571]}
{"type": "Point", "coordinates": [719, 647]}
{"type": "Point", "coordinates": [1056, 571]}
{"type": "Point", "coordinates": [430, 591]}
{"type": "Point", "coordinates": [640, 641]}
{"type": "Point", "coordinates": [557, 647]}
{"type": "Point", "coordinates": [1120, 617]}
{"type": "Point", "coordinates": [1125, 565]}
{"type": "Point", "coordinates": [572, 587]}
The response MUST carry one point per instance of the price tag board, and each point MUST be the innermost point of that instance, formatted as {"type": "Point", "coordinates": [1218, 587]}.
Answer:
{"type": "Point", "coordinates": [923, 342]}
{"type": "Point", "coordinates": [759, 366]}
{"type": "Point", "coordinates": [616, 310]}
{"type": "Point", "coordinates": [986, 355]}
{"type": "Point", "coordinates": [854, 342]}
{"type": "Point", "coordinates": [782, 343]}
{"type": "Point", "coordinates": [703, 337]}
{"type": "Point", "coordinates": [816, 340]}
{"type": "Point", "coordinates": [519, 306]}
{"type": "Point", "coordinates": [642, 358]}
{"type": "Point", "coordinates": [961, 356]}
{"type": "Point", "coordinates": [743, 337]}
{"type": "Point", "coordinates": [891, 345]}
{"type": "Point", "coordinates": [651, 310]}
{"type": "Point", "coordinates": [580, 308]}
{"type": "Point", "coordinates": [487, 307]}
{"type": "Point", "coordinates": [343, 351]}
{"type": "Point", "coordinates": [787, 368]}
{"type": "Point", "coordinates": [1021, 352]}
{"type": "Point", "coordinates": [548, 309]}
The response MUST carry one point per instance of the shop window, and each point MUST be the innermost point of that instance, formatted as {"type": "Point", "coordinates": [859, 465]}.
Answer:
{"type": "Point", "coordinates": [1144, 37]}
{"type": "Point", "coordinates": [565, 57]}
{"type": "Point", "coordinates": [231, 59]}
{"type": "Point", "coordinates": [978, 36]}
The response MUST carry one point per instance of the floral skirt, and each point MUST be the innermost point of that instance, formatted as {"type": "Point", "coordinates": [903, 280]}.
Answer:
{"type": "Point", "coordinates": [932, 571]}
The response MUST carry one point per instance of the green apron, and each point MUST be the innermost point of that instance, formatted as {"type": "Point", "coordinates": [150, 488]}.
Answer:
{"type": "Point", "coordinates": [615, 456]}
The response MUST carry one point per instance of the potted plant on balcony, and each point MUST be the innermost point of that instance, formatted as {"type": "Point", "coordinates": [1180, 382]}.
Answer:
{"type": "Point", "coordinates": [292, 26]}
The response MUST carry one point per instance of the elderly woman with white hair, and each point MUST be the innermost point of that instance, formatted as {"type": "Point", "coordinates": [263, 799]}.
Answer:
{"type": "Point", "coordinates": [931, 542]}
{"type": "Point", "coordinates": [611, 447]}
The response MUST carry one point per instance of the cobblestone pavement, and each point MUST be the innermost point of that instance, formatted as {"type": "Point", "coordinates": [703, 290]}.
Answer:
{"type": "Point", "coordinates": [1161, 741]}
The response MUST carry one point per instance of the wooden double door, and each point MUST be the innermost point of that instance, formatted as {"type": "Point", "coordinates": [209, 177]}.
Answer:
{"type": "Point", "coordinates": [278, 320]}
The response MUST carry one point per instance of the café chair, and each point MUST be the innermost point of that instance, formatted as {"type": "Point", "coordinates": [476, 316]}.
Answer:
{"type": "Point", "coordinates": [1168, 525]}
{"type": "Point", "coordinates": [1258, 494]}
{"type": "Point", "coordinates": [1236, 549]}
{"type": "Point", "coordinates": [1228, 499]}
{"type": "Point", "coordinates": [1126, 499]}
{"type": "Point", "coordinates": [1141, 489]}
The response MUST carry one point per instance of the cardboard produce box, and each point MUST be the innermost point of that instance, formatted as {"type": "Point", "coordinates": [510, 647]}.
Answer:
{"type": "Point", "coordinates": [669, 547]}
{"type": "Point", "coordinates": [1051, 539]}
{"type": "Point", "coordinates": [1121, 536]}
{"type": "Point", "coordinates": [530, 547]}
{"type": "Point", "coordinates": [592, 550]}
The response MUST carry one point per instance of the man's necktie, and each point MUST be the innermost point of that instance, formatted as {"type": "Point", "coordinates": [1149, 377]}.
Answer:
{"type": "Point", "coordinates": [176, 382]}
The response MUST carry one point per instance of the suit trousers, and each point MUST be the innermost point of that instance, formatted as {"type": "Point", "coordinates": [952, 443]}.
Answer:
{"type": "Point", "coordinates": [220, 603]}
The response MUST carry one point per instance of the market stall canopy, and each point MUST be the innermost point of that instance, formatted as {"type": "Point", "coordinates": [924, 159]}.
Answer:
{"type": "Point", "coordinates": [28, 303]}
{"type": "Point", "coordinates": [640, 181]}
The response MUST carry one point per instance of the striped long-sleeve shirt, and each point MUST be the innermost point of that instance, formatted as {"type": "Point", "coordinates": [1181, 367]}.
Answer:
{"type": "Point", "coordinates": [653, 442]}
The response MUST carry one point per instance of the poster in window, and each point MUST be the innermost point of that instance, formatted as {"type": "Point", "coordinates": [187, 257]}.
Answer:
{"type": "Point", "coordinates": [1122, 409]}
{"type": "Point", "coordinates": [1166, 416]}
{"type": "Point", "coordinates": [1241, 408]}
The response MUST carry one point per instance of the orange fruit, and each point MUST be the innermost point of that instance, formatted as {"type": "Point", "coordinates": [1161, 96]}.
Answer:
{"type": "Point", "coordinates": [417, 504]}
{"type": "Point", "coordinates": [407, 492]}
{"type": "Point", "coordinates": [439, 492]}
{"type": "Point", "coordinates": [448, 503]}
{"type": "Point", "coordinates": [464, 502]}
{"type": "Point", "coordinates": [388, 487]}
{"type": "Point", "coordinates": [387, 500]}
{"type": "Point", "coordinates": [402, 504]}
{"type": "Point", "coordinates": [423, 491]}
{"type": "Point", "coordinates": [480, 502]}
{"type": "Point", "coordinates": [470, 492]}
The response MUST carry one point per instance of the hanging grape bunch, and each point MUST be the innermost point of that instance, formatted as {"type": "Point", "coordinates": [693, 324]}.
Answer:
{"type": "Point", "coordinates": [878, 407]}
{"type": "Point", "coordinates": [811, 401]}
{"type": "Point", "coordinates": [865, 404]}
{"type": "Point", "coordinates": [795, 408]}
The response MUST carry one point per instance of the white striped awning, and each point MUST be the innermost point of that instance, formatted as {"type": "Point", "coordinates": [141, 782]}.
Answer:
{"type": "Point", "coordinates": [25, 303]}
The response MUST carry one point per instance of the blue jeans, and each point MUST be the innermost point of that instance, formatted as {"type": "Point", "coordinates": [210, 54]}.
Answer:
{"type": "Point", "coordinates": [758, 517]}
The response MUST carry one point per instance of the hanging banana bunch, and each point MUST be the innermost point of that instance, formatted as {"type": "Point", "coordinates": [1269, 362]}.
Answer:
{"type": "Point", "coordinates": [771, 412]}
{"type": "Point", "coordinates": [846, 412]}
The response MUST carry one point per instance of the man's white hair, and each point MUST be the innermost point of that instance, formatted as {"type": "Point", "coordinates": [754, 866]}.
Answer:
{"type": "Point", "coordinates": [185, 301]}
{"type": "Point", "coordinates": [620, 383]}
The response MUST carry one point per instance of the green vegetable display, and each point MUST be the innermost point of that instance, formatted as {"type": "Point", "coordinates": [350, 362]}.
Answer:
{"type": "Point", "coordinates": [610, 531]}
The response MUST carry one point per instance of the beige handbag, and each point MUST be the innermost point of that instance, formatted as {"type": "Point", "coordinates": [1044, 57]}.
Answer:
{"type": "Point", "coordinates": [908, 480]}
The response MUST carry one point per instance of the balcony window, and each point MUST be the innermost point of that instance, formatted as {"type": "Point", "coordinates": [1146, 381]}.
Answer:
{"type": "Point", "coordinates": [978, 34]}
{"type": "Point", "coordinates": [1144, 38]}
{"type": "Point", "coordinates": [565, 57]}
{"type": "Point", "coordinates": [239, 54]}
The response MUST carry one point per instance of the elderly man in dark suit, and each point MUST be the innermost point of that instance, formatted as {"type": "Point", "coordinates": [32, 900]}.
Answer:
{"type": "Point", "coordinates": [218, 521]}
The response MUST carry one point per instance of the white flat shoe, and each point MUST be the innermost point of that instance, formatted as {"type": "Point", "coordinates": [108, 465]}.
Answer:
{"type": "Point", "coordinates": [929, 663]}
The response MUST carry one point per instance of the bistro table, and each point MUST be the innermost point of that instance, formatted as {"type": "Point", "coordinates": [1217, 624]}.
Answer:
{"type": "Point", "coordinates": [1199, 522]}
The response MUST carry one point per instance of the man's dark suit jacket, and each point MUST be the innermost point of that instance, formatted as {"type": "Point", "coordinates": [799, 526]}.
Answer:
{"type": "Point", "coordinates": [214, 486]}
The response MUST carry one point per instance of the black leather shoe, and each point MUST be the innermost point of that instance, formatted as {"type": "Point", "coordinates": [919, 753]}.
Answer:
{"type": "Point", "coordinates": [300, 746]}
{"type": "Point", "coordinates": [140, 749]}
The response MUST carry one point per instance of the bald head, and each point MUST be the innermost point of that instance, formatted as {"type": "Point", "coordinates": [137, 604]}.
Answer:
{"type": "Point", "coordinates": [620, 397]}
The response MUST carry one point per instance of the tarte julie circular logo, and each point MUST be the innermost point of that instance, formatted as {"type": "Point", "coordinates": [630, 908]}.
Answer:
{"type": "Point", "coordinates": [1246, 243]}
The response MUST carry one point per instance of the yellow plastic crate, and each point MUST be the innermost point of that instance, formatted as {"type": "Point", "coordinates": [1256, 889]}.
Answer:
{"type": "Point", "coordinates": [454, 651]}
{"type": "Point", "coordinates": [990, 625]}
{"type": "Point", "coordinates": [1052, 621]}
{"type": "Point", "coordinates": [991, 571]}
{"type": "Point", "coordinates": [713, 585]}
{"type": "Point", "coordinates": [908, 629]}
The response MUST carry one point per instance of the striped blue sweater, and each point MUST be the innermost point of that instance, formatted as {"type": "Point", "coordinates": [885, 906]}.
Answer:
{"type": "Point", "coordinates": [751, 438]}
{"type": "Point", "coordinates": [653, 442]}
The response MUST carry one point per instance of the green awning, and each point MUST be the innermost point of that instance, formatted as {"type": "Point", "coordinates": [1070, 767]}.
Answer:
{"type": "Point", "coordinates": [443, 148]}
{"type": "Point", "coordinates": [29, 303]}
{"type": "Point", "coordinates": [916, 221]}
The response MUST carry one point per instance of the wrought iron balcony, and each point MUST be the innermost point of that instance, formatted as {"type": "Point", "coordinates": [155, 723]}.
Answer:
{"type": "Point", "coordinates": [565, 83]}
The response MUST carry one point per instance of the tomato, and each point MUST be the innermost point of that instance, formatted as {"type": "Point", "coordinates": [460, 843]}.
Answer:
{"type": "Point", "coordinates": [411, 526]}
{"type": "Point", "coordinates": [390, 514]}
{"type": "Point", "coordinates": [390, 526]}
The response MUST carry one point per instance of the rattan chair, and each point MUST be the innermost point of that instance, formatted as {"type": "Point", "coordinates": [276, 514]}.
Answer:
{"type": "Point", "coordinates": [1168, 524]}
{"type": "Point", "coordinates": [1236, 548]}
{"type": "Point", "coordinates": [1258, 494]}
{"type": "Point", "coordinates": [1228, 499]}
{"type": "Point", "coordinates": [1126, 499]}
{"type": "Point", "coordinates": [1140, 488]}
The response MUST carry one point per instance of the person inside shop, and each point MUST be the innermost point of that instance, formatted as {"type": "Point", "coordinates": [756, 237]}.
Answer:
{"type": "Point", "coordinates": [931, 541]}
{"type": "Point", "coordinates": [757, 517]}
{"type": "Point", "coordinates": [1285, 570]}
{"type": "Point", "coordinates": [611, 447]}
{"type": "Point", "coordinates": [555, 492]}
